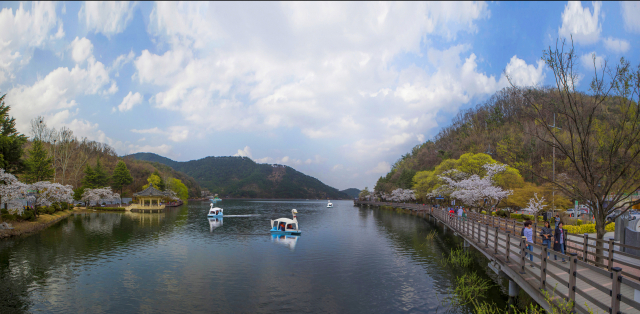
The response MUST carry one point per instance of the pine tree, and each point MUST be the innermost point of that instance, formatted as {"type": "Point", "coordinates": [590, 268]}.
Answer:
{"type": "Point", "coordinates": [89, 178]}
{"type": "Point", "coordinates": [39, 164]}
{"type": "Point", "coordinates": [101, 177]}
{"type": "Point", "coordinates": [121, 177]}
{"type": "Point", "coordinates": [11, 142]}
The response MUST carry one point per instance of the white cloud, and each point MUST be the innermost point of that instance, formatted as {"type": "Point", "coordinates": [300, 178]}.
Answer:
{"type": "Point", "coordinates": [316, 160]}
{"type": "Point", "coordinates": [337, 167]}
{"type": "Point", "coordinates": [106, 17]}
{"type": "Point", "coordinates": [616, 45]}
{"type": "Point", "coordinates": [148, 131]}
{"type": "Point", "coordinates": [630, 11]}
{"type": "Point", "coordinates": [22, 31]}
{"type": "Point", "coordinates": [382, 167]}
{"type": "Point", "coordinates": [587, 61]}
{"type": "Point", "coordinates": [246, 152]}
{"type": "Point", "coordinates": [523, 74]}
{"type": "Point", "coordinates": [129, 101]}
{"type": "Point", "coordinates": [81, 49]}
{"type": "Point", "coordinates": [178, 133]}
{"type": "Point", "coordinates": [580, 23]}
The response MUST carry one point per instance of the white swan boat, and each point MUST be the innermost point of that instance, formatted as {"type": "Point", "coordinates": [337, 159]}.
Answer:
{"type": "Point", "coordinates": [329, 205]}
{"type": "Point", "coordinates": [214, 211]}
{"type": "Point", "coordinates": [285, 225]}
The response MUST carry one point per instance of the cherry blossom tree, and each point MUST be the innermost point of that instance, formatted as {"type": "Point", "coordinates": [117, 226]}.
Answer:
{"type": "Point", "coordinates": [402, 195]}
{"type": "Point", "coordinates": [99, 195]}
{"type": "Point", "coordinates": [12, 191]}
{"type": "Point", "coordinates": [535, 205]}
{"type": "Point", "coordinates": [45, 193]}
{"type": "Point", "coordinates": [475, 191]}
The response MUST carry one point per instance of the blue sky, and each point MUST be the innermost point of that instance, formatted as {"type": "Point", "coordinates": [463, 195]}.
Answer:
{"type": "Point", "coordinates": [338, 91]}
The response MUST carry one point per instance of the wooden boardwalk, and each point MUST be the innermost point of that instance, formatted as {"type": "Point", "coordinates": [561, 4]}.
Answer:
{"type": "Point", "coordinates": [601, 287]}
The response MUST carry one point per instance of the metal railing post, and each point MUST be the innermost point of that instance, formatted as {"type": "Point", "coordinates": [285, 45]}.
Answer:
{"type": "Point", "coordinates": [585, 247]}
{"type": "Point", "coordinates": [486, 236]}
{"type": "Point", "coordinates": [543, 268]}
{"type": "Point", "coordinates": [573, 260]}
{"type": "Point", "coordinates": [495, 242]}
{"type": "Point", "coordinates": [523, 254]}
{"type": "Point", "coordinates": [610, 257]}
{"type": "Point", "coordinates": [616, 280]}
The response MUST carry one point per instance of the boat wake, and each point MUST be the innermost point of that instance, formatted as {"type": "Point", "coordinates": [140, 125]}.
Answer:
{"type": "Point", "coordinates": [253, 215]}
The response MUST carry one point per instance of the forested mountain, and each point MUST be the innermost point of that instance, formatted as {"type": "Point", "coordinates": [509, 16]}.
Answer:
{"type": "Point", "coordinates": [352, 192]}
{"type": "Point", "coordinates": [497, 127]}
{"type": "Point", "coordinates": [241, 177]}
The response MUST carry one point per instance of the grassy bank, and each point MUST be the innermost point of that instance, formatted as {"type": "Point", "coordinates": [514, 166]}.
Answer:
{"type": "Point", "coordinates": [27, 227]}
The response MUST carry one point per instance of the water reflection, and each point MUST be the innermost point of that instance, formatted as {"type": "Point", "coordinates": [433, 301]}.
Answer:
{"type": "Point", "coordinates": [286, 240]}
{"type": "Point", "coordinates": [214, 223]}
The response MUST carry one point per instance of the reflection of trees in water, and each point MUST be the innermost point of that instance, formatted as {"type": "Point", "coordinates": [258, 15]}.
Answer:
{"type": "Point", "coordinates": [59, 251]}
{"type": "Point", "coordinates": [409, 233]}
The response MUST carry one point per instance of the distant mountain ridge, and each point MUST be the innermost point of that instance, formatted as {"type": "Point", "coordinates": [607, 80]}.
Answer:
{"type": "Point", "coordinates": [352, 192]}
{"type": "Point", "coordinates": [241, 177]}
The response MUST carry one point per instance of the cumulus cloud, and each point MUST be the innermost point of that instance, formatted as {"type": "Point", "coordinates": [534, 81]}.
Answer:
{"type": "Point", "coordinates": [129, 101]}
{"type": "Point", "coordinates": [587, 61]}
{"type": "Point", "coordinates": [81, 49]}
{"type": "Point", "coordinates": [106, 17]}
{"type": "Point", "coordinates": [580, 23]}
{"type": "Point", "coordinates": [246, 152]}
{"type": "Point", "coordinates": [382, 167]}
{"type": "Point", "coordinates": [178, 133]}
{"type": "Point", "coordinates": [21, 32]}
{"type": "Point", "coordinates": [523, 74]}
{"type": "Point", "coordinates": [630, 11]}
{"type": "Point", "coordinates": [616, 45]}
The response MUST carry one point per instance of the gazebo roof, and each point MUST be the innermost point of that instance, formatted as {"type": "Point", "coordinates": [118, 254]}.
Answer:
{"type": "Point", "coordinates": [150, 191]}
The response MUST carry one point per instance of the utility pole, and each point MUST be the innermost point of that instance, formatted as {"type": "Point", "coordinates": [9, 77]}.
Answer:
{"type": "Point", "coordinates": [553, 197]}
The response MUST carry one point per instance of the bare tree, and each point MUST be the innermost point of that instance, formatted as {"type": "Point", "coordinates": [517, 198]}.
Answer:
{"type": "Point", "coordinates": [600, 132]}
{"type": "Point", "coordinates": [66, 147]}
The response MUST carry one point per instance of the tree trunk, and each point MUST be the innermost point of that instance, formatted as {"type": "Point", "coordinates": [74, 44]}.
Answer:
{"type": "Point", "coordinates": [600, 231]}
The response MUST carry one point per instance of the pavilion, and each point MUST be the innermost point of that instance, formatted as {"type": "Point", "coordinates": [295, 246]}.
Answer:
{"type": "Point", "coordinates": [149, 200]}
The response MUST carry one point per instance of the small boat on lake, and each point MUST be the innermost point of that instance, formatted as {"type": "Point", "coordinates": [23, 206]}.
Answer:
{"type": "Point", "coordinates": [214, 211]}
{"type": "Point", "coordinates": [329, 205]}
{"type": "Point", "coordinates": [285, 225]}
{"type": "Point", "coordinates": [215, 199]}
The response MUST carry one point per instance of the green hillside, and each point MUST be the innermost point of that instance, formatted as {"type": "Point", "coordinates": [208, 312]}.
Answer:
{"type": "Point", "coordinates": [352, 192]}
{"type": "Point", "coordinates": [241, 177]}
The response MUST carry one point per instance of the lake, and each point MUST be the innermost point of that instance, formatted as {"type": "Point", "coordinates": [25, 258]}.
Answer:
{"type": "Point", "coordinates": [347, 260]}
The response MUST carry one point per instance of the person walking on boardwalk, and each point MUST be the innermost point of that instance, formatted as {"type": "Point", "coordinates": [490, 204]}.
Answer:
{"type": "Point", "coordinates": [528, 233]}
{"type": "Point", "coordinates": [560, 238]}
{"type": "Point", "coordinates": [557, 220]}
{"type": "Point", "coordinates": [546, 234]}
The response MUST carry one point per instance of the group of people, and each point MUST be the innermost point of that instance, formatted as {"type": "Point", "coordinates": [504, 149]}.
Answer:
{"type": "Point", "coordinates": [557, 237]}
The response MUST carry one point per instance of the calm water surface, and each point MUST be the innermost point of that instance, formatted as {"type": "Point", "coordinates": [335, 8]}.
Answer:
{"type": "Point", "coordinates": [348, 260]}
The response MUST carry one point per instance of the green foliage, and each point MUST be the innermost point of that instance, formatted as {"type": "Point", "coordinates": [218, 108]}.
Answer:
{"type": "Point", "coordinates": [457, 257]}
{"type": "Point", "coordinates": [502, 213]}
{"type": "Point", "coordinates": [27, 215]}
{"type": "Point", "coordinates": [11, 142]}
{"type": "Point", "coordinates": [516, 216]}
{"type": "Point", "coordinates": [95, 177]}
{"type": "Point", "coordinates": [121, 177]}
{"type": "Point", "coordinates": [242, 177]}
{"type": "Point", "coordinates": [39, 164]}
{"type": "Point", "coordinates": [352, 192]}
{"type": "Point", "coordinates": [77, 192]}
{"type": "Point", "coordinates": [48, 209]}
{"type": "Point", "coordinates": [579, 222]}
{"type": "Point", "coordinates": [177, 186]}
{"type": "Point", "coordinates": [467, 288]}
{"type": "Point", "coordinates": [157, 182]}
{"type": "Point", "coordinates": [8, 217]}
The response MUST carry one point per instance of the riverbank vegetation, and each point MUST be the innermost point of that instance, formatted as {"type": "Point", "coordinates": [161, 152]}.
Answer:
{"type": "Point", "coordinates": [593, 132]}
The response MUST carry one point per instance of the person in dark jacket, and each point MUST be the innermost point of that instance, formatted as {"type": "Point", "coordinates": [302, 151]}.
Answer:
{"type": "Point", "coordinates": [560, 241]}
{"type": "Point", "coordinates": [547, 235]}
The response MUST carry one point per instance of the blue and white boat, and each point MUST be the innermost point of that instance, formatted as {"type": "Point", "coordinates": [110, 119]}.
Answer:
{"type": "Point", "coordinates": [286, 226]}
{"type": "Point", "coordinates": [329, 204]}
{"type": "Point", "coordinates": [214, 211]}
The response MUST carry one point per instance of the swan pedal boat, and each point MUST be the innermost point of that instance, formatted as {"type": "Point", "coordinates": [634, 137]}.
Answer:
{"type": "Point", "coordinates": [215, 211]}
{"type": "Point", "coordinates": [329, 205]}
{"type": "Point", "coordinates": [286, 226]}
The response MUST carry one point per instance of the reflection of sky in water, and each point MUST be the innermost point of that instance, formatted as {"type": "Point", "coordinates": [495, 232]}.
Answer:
{"type": "Point", "coordinates": [348, 260]}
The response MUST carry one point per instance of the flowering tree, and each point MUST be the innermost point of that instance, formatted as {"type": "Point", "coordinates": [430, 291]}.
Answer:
{"type": "Point", "coordinates": [402, 195]}
{"type": "Point", "coordinates": [535, 205]}
{"type": "Point", "coordinates": [99, 195]}
{"type": "Point", "coordinates": [11, 192]}
{"type": "Point", "coordinates": [44, 193]}
{"type": "Point", "coordinates": [474, 191]}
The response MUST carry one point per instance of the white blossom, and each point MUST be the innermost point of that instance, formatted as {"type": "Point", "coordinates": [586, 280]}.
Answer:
{"type": "Point", "coordinates": [45, 193]}
{"type": "Point", "coordinates": [100, 195]}
{"type": "Point", "coordinates": [535, 204]}
{"type": "Point", "coordinates": [12, 192]}
{"type": "Point", "coordinates": [473, 190]}
{"type": "Point", "coordinates": [402, 195]}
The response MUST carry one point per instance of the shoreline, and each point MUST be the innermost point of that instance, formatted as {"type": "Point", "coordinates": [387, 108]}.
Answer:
{"type": "Point", "coordinates": [30, 227]}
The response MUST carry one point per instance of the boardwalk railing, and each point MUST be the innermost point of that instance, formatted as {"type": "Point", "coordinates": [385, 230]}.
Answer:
{"type": "Point", "coordinates": [590, 285]}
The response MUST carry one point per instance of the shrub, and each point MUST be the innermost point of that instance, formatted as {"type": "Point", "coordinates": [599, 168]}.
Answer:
{"type": "Point", "coordinates": [578, 222]}
{"type": "Point", "coordinates": [50, 210]}
{"type": "Point", "coordinates": [55, 206]}
{"type": "Point", "coordinates": [516, 216]}
{"type": "Point", "coordinates": [27, 215]}
{"type": "Point", "coordinates": [8, 217]}
{"type": "Point", "coordinates": [484, 212]}
{"type": "Point", "coordinates": [610, 227]}
{"type": "Point", "coordinates": [3, 211]}
{"type": "Point", "coordinates": [502, 213]}
{"type": "Point", "coordinates": [493, 214]}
